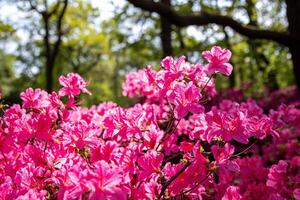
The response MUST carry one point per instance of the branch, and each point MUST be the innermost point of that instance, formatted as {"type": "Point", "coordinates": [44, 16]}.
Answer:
{"type": "Point", "coordinates": [33, 6]}
{"type": "Point", "coordinates": [245, 150]}
{"type": "Point", "coordinates": [165, 186]}
{"type": "Point", "coordinates": [59, 31]}
{"type": "Point", "coordinates": [45, 18]}
{"type": "Point", "coordinates": [55, 8]}
{"type": "Point", "coordinates": [205, 18]}
{"type": "Point", "coordinates": [195, 186]}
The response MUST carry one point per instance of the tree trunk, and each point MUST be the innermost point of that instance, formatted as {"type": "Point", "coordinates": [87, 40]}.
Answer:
{"type": "Point", "coordinates": [48, 58]}
{"type": "Point", "coordinates": [166, 32]}
{"type": "Point", "coordinates": [293, 16]}
{"type": "Point", "coordinates": [295, 51]}
{"type": "Point", "coordinates": [49, 76]}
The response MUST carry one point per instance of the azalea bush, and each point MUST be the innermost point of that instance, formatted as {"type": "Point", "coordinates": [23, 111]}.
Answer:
{"type": "Point", "coordinates": [172, 144]}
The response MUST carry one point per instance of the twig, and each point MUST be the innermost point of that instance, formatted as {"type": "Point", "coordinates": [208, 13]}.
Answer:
{"type": "Point", "coordinates": [240, 153]}
{"type": "Point", "coordinates": [165, 186]}
{"type": "Point", "coordinates": [206, 83]}
{"type": "Point", "coordinates": [196, 185]}
{"type": "Point", "coordinates": [173, 156]}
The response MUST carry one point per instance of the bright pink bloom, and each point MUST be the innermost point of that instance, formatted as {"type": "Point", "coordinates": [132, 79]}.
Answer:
{"type": "Point", "coordinates": [152, 137]}
{"type": "Point", "coordinates": [252, 169]}
{"type": "Point", "coordinates": [72, 84]}
{"type": "Point", "coordinates": [33, 194]}
{"type": "Point", "coordinates": [277, 175]}
{"type": "Point", "coordinates": [223, 158]}
{"type": "Point", "coordinates": [218, 61]}
{"type": "Point", "coordinates": [82, 134]}
{"type": "Point", "coordinates": [196, 73]}
{"type": "Point", "coordinates": [169, 145]}
{"type": "Point", "coordinates": [232, 193]}
{"type": "Point", "coordinates": [107, 182]}
{"type": "Point", "coordinates": [150, 73]}
{"type": "Point", "coordinates": [198, 126]}
{"type": "Point", "coordinates": [41, 127]}
{"type": "Point", "coordinates": [35, 98]}
{"type": "Point", "coordinates": [149, 163]}
{"type": "Point", "coordinates": [186, 146]}
{"type": "Point", "coordinates": [115, 123]}
{"type": "Point", "coordinates": [174, 67]}
{"type": "Point", "coordinates": [186, 98]}
{"type": "Point", "coordinates": [139, 83]}
{"type": "Point", "coordinates": [48, 150]}
{"type": "Point", "coordinates": [296, 194]}
{"type": "Point", "coordinates": [148, 190]}
{"type": "Point", "coordinates": [196, 172]}
{"type": "Point", "coordinates": [104, 152]}
{"type": "Point", "coordinates": [260, 127]}
{"type": "Point", "coordinates": [226, 125]}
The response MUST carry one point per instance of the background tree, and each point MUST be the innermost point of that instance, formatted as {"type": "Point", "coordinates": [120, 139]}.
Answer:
{"type": "Point", "coordinates": [104, 50]}
{"type": "Point", "coordinates": [51, 32]}
{"type": "Point", "coordinates": [251, 30]}
{"type": "Point", "coordinates": [7, 59]}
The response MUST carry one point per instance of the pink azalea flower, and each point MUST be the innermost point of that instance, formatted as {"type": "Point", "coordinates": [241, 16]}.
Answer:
{"type": "Point", "coordinates": [6, 187]}
{"type": "Point", "coordinates": [149, 163]}
{"type": "Point", "coordinates": [35, 98]}
{"type": "Point", "coordinates": [150, 73]}
{"type": "Point", "coordinates": [41, 126]}
{"type": "Point", "coordinates": [197, 126]}
{"type": "Point", "coordinates": [104, 152]}
{"type": "Point", "coordinates": [82, 134]}
{"type": "Point", "coordinates": [49, 151]}
{"type": "Point", "coordinates": [107, 182]}
{"type": "Point", "coordinates": [191, 176]}
{"type": "Point", "coordinates": [218, 61]}
{"type": "Point", "coordinates": [252, 169]}
{"type": "Point", "coordinates": [33, 194]}
{"type": "Point", "coordinates": [148, 190]}
{"type": "Point", "coordinates": [139, 84]}
{"type": "Point", "coordinates": [296, 194]}
{"type": "Point", "coordinates": [152, 137]}
{"type": "Point", "coordinates": [232, 193]}
{"type": "Point", "coordinates": [115, 123]}
{"type": "Point", "coordinates": [169, 145]}
{"type": "Point", "coordinates": [186, 146]}
{"type": "Point", "coordinates": [70, 182]}
{"type": "Point", "coordinates": [277, 175]}
{"type": "Point", "coordinates": [260, 127]}
{"type": "Point", "coordinates": [186, 98]}
{"type": "Point", "coordinates": [72, 84]}
{"type": "Point", "coordinates": [174, 67]}
{"type": "Point", "coordinates": [226, 126]}
{"type": "Point", "coordinates": [223, 158]}
{"type": "Point", "coordinates": [196, 73]}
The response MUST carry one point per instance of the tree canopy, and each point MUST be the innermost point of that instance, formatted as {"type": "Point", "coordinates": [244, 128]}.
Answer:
{"type": "Point", "coordinates": [75, 35]}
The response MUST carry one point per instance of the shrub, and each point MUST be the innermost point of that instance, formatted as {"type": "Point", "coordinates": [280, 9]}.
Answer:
{"type": "Point", "coordinates": [170, 145]}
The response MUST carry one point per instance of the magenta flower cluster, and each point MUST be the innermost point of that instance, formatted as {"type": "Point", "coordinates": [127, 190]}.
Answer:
{"type": "Point", "coordinates": [170, 145]}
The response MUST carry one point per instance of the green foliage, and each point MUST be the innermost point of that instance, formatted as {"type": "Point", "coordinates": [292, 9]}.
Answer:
{"type": "Point", "coordinates": [103, 51]}
{"type": "Point", "coordinates": [6, 72]}
{"type": "Point", "coordinates": [6, 30]}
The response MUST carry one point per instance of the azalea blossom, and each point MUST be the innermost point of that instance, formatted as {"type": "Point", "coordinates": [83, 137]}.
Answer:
{"type": "Point", "coordinates": [175, 142]}
{"type": "Point", "coordinates": [218, 61]}
{"type": "Point", "coordinates": [72, 84]}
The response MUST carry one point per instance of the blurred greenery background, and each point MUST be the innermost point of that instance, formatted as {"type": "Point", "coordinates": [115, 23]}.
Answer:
{"type": "Point", "coordinates": [104, 39]}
